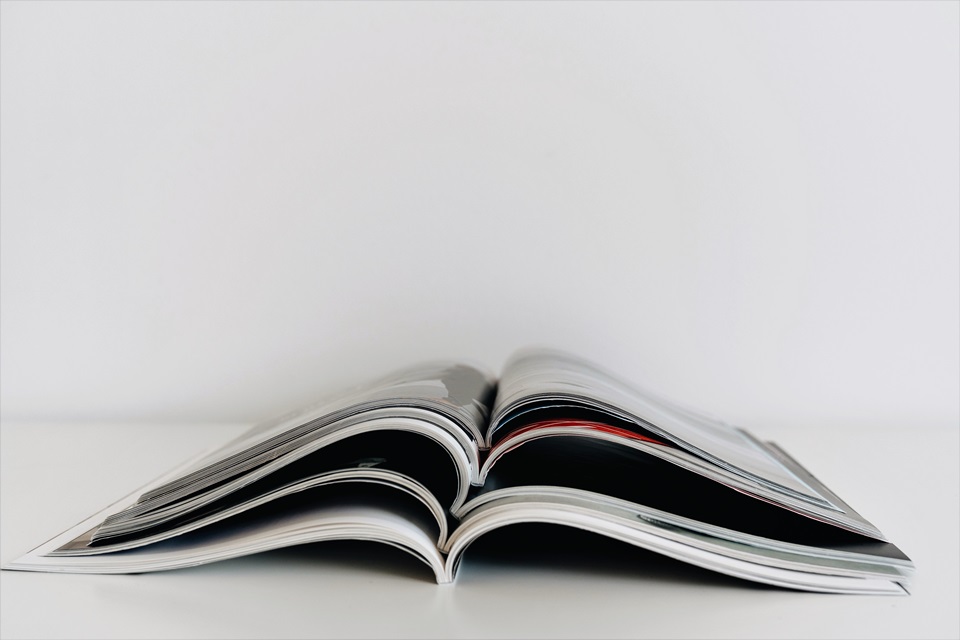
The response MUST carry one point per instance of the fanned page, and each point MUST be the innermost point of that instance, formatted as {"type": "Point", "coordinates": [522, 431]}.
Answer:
{"type": "Point", "coordinates": [415, 433]}
{"type": "Point", "coordinates": [461, 392]}
{"type": "Point", "coordinates": [539, 385]}
{"type": "Point", "coordinates": [457, 392]}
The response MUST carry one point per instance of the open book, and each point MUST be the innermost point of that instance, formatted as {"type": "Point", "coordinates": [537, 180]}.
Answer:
{"type": "Point", "coordinates": [432, 457]}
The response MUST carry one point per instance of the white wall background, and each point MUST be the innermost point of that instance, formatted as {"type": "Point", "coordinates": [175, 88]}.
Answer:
{"type": "Point", "coordinates": [216, 211]}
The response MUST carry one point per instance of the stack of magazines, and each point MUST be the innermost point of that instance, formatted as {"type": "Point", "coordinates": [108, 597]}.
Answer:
{"type": "Point", "coordinates": [433, 457]}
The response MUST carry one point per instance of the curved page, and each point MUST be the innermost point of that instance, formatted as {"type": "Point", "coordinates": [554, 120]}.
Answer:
{"type": "Point", "coordinates": [572, 441]}
{"type": "Point", "coordinates": [375, 433]}
{"type": "Point", "coordinates": [457, 394]}
{"type": "Point", "coordinates": [538, 379]}
{"type": "Point", "coordinates": [782, 565]}
{"type": "Point", "coordinates": [318, 489]}
{"type": "Point", "coordinates": [389, 516]}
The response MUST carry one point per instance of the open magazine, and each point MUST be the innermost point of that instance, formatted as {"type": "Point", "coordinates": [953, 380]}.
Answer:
{"type": "Point", "coordinates": [433, 457]}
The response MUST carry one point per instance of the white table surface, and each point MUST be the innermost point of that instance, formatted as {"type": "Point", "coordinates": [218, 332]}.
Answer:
{"type": "Point", "coordinates": [907, 481]}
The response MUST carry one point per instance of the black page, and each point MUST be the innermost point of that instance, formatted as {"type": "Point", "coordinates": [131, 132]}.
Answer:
{"type": "Point", "coordinates": [621, 472]}
{"type": "Point", "coordinates": [345, 495]}
{"type": "Point", "coordinates": [409, 453]}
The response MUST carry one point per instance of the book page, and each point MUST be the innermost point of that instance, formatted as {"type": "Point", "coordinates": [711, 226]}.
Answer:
{"type": "Point", "coordinates": [458, 394]}
{"type": "Point", "coordinates": [537, 379]}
